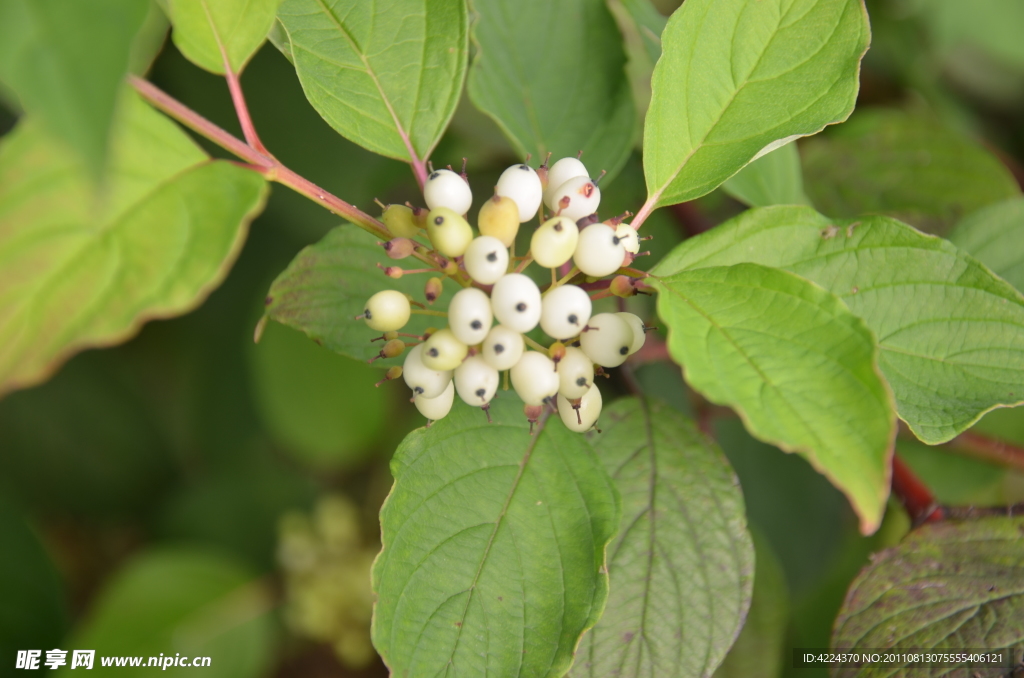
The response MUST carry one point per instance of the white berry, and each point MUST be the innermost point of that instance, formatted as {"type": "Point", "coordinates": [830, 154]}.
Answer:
{"type": "Point", "coordinates": [534, 378]}
{"type": "Point", "coordinates": [421, 379]}
{"type": "Point", "coordinates": [580, 420]}
{"type": "Point", "coordinates": [575, 373]}
{"type": "Point", "coordinates": [448, 231]}
{"type": "Point", "coordinates": [559, 173]}
{"type": "Point", "coordinates": [503, 347]}
{"type": "Point", "coordinates": [443, 351]}
{"type": "Point", "coordinates": [607, 340]}
{"type": "Point", "coordinates": [599, 252]}
{"type": "Point", "coordinates": [475, 381]}
{"type": "Point", "coordinates": [639, 331]}
{"type": "Point", "coordinates": [554, 242]}
{"type": "Point", "coordinates": [628, 237]}
{"type": "Point", "coordinates": [436, 408]}
{"type": "Point", "coordinates": [486, 260]}
{"type": "Point", "coordinates": [516, 302]}
{"type": "Point", "coordinates": [445, 188]}
{"type": "Point", "coordinates": [387, 311]}
{"type": "Point", "coordinates": [565, 312]}
{"type": "Point", "coordinates": [576, 198]}
{"type": "Point", "coordinates": [469, 315]}
{"type": "Point", "coordinates": [521, 183]}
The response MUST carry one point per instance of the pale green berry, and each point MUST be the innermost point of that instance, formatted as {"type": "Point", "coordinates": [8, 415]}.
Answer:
{"type": "Point", "coordinates": [627, 235]}
{"type": "Point", "coordinates": [582, 418]}
{"type": "Point", "coordinates": [554, 242]}
{"type": "Point", "coordinates": [558, 174]}
{"type": "Point", "coordinates": [387, 311]}
{"type": "Point", "coordinates": [638, 328]}
{"type": "Point", "coordinates": [503, 347]}
{"type": "Point", "coordinates": [516, 302]}
{"type": "Point", "coordinates": [607, 340]}
{"type": "Point", "coordinates": [476, 382]}
{"type": "Point", "coordinates": [575, 373]}
{"type": "Point", "coordinates": [499, 218]}
{"type": "Point", "coordinates": [443, 351]}
{"type": "Point", "coordinates": [469, 315]}
{"type": "Point", "coordinates": [399, 220]}
{"type": "Point", "coordinates": [449, 232]}
{"type": "Point", "coordinates": [534, 378]}
{"type": "Point", "coordinates": [439, 407]}
{"type": "Point", "coordinates": [598, 252]}
{"type": "Point", "coordinates": [421, 379]}
{"type": "Point", "coordinates": [522, 185]}
{"type": "Point", "coordinates": [577, 198]}
{"type": "Point", "coordinates": [445, 188]}
{"type": "Point", "coordinates": [486, 259]}
{"type": "Point", "coordinates": [565, 312]}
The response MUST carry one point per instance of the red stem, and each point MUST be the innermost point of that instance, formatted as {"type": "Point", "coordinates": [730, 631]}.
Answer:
{"type": "Point", "coordinates": [989, 449]}
{"type": "Point", "coordinates": [915, 496]}
{"type": "Point", "coordinates": [242, 110]}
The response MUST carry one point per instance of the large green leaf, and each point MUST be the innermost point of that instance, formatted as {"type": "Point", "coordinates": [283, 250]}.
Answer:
{"type": "Point", "coordinates": [947, 586]}
{"type": "Point", "coordinates": [906, 166]}
{"type": "Point", "coordinates": [208, 30]}
{"type": "Point", "coordinates": [995, 236]}
{"type": "Point", "coordinates": [327, 284]}
{"type": "Point", "coordinates": [75, 273]}
{"type": "Point", "coordinates": [796, 365]}
{"type": "Point", "coordinates": [551, 74]}
{"type": "Point", "coordinates": [385, 75]}
{"type": "Point", "coordinates": [494, 547]}
{"type": "Point", "coordinates": [775, 178]}
{"type": "Point", "coordinates": [951, 333]}
{"type": "Point", "coordinates": [738, 78]}
{"type": "Point", "coordinates": [181, 601]}
{"type": "Point", "coordinates": [65, 60]}
{"type": "Point", "coordinates": [682, 568]}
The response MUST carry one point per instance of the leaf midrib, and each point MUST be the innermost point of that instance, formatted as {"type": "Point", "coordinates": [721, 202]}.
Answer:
{"type": "Point", "coordinates": [402, 133]}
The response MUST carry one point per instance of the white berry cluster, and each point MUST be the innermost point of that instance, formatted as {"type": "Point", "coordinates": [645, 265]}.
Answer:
{"type": "Point", "coordinates": [498, 304]}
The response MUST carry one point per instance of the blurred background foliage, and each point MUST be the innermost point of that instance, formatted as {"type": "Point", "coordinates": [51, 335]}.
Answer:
{"type": "Point", "coordinates": [190, 491]}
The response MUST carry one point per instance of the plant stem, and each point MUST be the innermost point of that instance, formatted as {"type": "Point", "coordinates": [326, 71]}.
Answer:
{"type": "Point", "coordinates": [537, 346]}
{"type": "Point", "coordinates": [427, 311]}
{"type": "Point", "coordinates": [915, 496]}
{"type": "Point", "coordinates": [267, 165]}
{"type": "Point", "coordinates": [644, 212]}
{"type": "Point", "coordinates": [242, 110]}
{"type": "Point", "coordinates": [990, 449]}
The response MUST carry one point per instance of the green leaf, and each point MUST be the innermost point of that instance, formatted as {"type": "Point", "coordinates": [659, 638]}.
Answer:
{"type": "Point", "coordinates": [907, 166]}
{"type": "Point", "coordinates": [77, 274]}
{"type": "Point", "coordinates": [186, 601]}
{"type": "Point", "coordinates": [552, 76]}
{"type": "Point", "coordinates": [773, 179]}
{"type": "Point", "coordinates": [682, 568]}
{"type": "Point", "coordinates": [494, 547]}
{"type": "Point", "coordinates": [995, 236]}
{"type": "Point", "coordinates": [326, 286]}
{"type": "Point", "coordinates": [738, 79]}
{"type": "Point", "coordinates": [913, 290]}
{"type": "Point", "coordinates": [207, 31]}
{"type": "Point", "coordinates": [66, 60]}
{"type": "Point", "coordinates": [321, 407]}
{"type": "Point", "coordinates": [759, 652]}
{"type": "Point", "coordinates": [34, 613]}
{"type": "Point", "coordinates": [641, 25]}
{"type": "Point", "coordinates": [947, 586]}
{"type": "Point", "coordinates": [798, 367]}
{"type": "Point", "coordinates": [386, 77]}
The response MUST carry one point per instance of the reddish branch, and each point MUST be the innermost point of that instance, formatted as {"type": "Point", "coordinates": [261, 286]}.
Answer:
{"type": "Point", "coordinates": [915, 496]}
{"type": "Point", "coordinates": [989, 449]}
